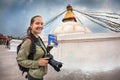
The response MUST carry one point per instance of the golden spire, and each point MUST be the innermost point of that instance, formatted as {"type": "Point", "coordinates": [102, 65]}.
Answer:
{"type": "Point", "coordinates": [69, 16]}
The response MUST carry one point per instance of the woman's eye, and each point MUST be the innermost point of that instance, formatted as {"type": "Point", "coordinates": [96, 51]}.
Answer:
{"type": "Point", "coordinates": [37, 23]}
{"type": "Point", "coordinates": [41, 23]}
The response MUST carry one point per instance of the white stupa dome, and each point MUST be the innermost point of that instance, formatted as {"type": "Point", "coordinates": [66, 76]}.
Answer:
{"type": "Point", "coordinates": [70, 27]}
{"type": "Point", "coordinates": [70, 24]}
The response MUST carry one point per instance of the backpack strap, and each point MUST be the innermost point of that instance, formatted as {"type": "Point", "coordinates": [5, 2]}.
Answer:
{"type": "Point", "coordinates": [32, 47]}
{"type": "Point", "coordinates": [32, 50]}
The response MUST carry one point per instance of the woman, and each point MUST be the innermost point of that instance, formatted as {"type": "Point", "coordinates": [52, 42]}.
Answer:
{"type": "Point", "coordinates": [37, 66]}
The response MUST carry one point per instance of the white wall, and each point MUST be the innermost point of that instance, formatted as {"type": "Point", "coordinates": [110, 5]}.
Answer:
{"type": "Point", "coordinates": [88, 52]}
{"type": "Point", "coordinates": [13, 44]}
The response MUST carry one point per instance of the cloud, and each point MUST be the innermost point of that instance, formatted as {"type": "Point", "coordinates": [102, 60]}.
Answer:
{"type": "Point", "coordinates": [15, 15]}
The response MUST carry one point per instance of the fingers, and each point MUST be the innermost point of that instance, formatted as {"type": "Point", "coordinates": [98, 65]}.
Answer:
{"type": "Point", "coordinates": [47, 58]}
{"type": "Point", "coordinates": [43, 61]}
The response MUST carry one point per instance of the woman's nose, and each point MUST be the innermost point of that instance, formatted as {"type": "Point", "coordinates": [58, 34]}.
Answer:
{"type": "Point", "coordinates": [41, 26]}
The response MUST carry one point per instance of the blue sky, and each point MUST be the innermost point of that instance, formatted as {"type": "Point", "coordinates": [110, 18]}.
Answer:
{"type": "Point", "coordinates": [15, 15]}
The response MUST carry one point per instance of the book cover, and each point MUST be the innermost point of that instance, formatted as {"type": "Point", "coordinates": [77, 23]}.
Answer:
{"type": "Point", "coordinates": [52, 40]}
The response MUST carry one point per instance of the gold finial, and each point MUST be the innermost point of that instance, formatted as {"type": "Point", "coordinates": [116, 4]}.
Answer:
{"type": "Point", "coordinates": [69, 7]}
{"type": "Point", "coordinates": [69, 16]}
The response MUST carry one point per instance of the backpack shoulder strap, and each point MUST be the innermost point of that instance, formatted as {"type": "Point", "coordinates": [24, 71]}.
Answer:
{"type": "Point", "coordinates": [19, 46]}
{"type": "Point", "coordinates": [32, 47]}
{"type": "Point", "coordinates": [27, 37]}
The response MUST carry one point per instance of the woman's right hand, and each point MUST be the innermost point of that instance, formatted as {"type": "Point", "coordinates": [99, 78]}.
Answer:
{"type": "Point", "coordinates": [43, 61]}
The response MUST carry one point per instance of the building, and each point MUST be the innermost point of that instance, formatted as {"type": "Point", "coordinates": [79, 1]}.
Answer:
{"type": "Point", "coordinates": [83, 52]}
{"type": "Point", "coordinates": [3, 39]}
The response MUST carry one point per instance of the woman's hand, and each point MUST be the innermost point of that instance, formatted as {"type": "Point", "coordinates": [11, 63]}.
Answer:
{"type": "Point", "coordinates": [43, 61]}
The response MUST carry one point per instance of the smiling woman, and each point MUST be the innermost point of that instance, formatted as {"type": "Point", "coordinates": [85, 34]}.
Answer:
{"type": "Point", "coordinates": [38, 64]}
{"type": "Point", "coordinates": [36, 25]}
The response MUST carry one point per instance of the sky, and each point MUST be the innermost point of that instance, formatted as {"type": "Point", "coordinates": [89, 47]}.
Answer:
{"type": "Point", "coordinates": [15, 15]}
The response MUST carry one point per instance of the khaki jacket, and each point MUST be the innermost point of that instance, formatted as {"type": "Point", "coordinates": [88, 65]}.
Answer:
{"type": "Point", "coordinates": [35, 70]}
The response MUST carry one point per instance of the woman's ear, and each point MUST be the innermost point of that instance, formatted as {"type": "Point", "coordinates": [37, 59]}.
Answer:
{"type": "Point", "coordinates": [31, 26]}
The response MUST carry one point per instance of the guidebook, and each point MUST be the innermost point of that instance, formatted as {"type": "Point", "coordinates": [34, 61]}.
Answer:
{"type": "Point", "coordinates": [52, 40]}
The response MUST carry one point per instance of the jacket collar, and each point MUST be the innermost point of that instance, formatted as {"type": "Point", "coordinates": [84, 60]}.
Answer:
{"type": "Point", "coordinates": [34, 38]}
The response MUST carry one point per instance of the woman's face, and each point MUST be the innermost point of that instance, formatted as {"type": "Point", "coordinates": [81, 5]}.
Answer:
{"type": "Point", "coordinates": [37, 25]}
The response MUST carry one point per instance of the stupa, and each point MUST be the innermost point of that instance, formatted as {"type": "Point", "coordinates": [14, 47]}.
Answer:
{"type": "Point", "coordinates": [70, 24]}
